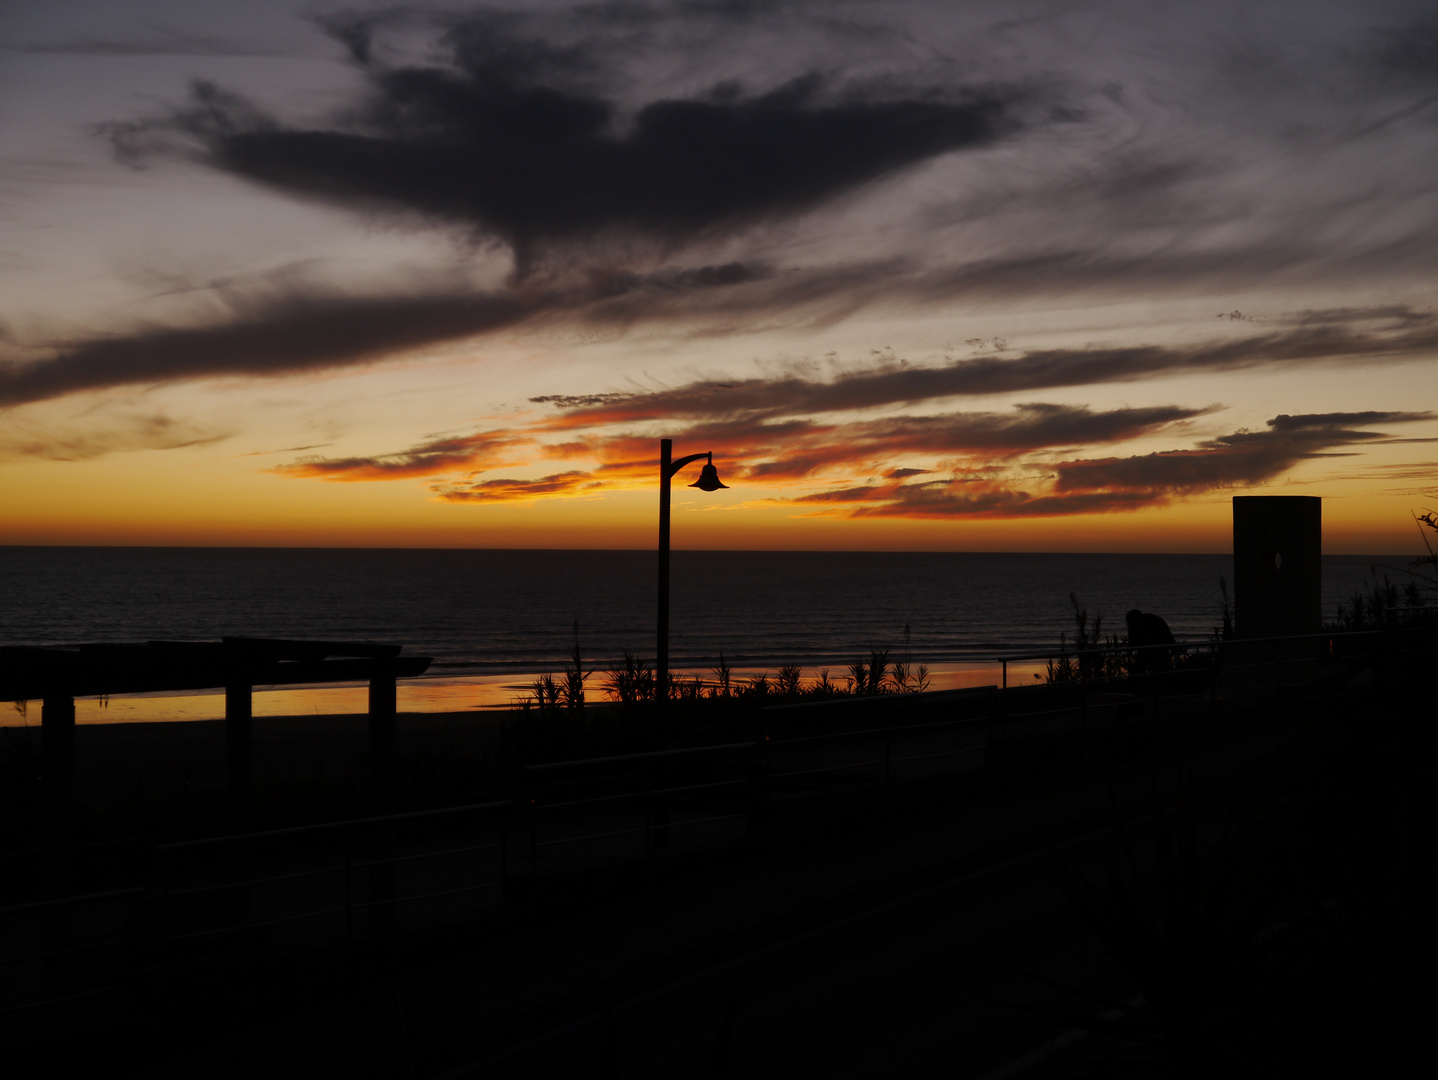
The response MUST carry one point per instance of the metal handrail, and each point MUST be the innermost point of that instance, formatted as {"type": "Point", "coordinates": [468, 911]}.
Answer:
{"type": "Point", "coordinates": [646, 755]}
{"type": "Point", "coordinates": [329, 825]}
{"type": "Point", "coordinates": [903, 697]}
{"type": "Point", "coordinates": [638, 829]}
{"type": "Point", "coordinates": [1210, 644]}
{"type": "Point", "coordinates": [66, 901]}
{"type": "Point", "coordinates": [749, 751]}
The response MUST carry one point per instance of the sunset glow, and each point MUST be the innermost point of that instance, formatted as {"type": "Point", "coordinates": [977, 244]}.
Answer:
{"type": "Point", "coordinates": [921, 278]}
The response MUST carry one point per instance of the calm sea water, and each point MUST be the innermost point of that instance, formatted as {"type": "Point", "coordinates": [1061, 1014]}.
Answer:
{"type": "Point", "coordinates": [480, 612]}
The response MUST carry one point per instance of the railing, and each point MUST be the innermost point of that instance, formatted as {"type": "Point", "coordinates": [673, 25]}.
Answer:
{"type": "Point", "coordinates": [1218, 648]}
{"type": "Point", "coordinates": [54, 953]}
{"type": "Point", "coordinates": [338, 880]}
{"type": "Point", "coordinates": [367, 869]}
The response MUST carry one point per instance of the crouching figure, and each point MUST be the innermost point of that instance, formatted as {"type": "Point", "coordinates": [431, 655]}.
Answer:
{"type": "Point", "coordinates": [1146, 628]}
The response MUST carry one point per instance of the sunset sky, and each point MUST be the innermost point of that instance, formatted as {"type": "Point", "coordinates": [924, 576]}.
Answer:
{"type": "Point", "coordinates": [937, 276]}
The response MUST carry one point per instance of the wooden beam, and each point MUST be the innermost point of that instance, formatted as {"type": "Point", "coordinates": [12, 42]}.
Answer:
{"type": "Point", "coordinates": [26, 673]}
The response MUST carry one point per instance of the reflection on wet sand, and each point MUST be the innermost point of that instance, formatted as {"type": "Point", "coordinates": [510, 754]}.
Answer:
{"type": "Point", "coordinates": [438, 695]}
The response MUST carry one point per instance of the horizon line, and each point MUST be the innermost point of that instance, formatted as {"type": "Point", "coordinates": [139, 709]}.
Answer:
{"type": "Point", "coordinates": [646, 549]}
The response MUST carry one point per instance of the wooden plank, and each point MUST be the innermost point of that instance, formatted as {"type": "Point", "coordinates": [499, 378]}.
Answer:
{"type": "Point", "coordinates": [28, 674]}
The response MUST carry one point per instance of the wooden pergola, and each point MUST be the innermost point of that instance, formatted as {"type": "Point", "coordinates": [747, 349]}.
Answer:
{"type": "Point", "coordinates": [56, 676]}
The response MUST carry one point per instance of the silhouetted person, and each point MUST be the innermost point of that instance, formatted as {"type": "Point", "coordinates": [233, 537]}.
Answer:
{"type": "Point", "coordinates": [1145, 628]}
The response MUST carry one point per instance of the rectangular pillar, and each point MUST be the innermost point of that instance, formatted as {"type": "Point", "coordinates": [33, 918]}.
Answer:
{"type": "Point", "coordinates": [239, 784]}
{"type": "Point", "coordinates": [239, 755]}
{"type": "Point", "coordinates": [383, 775]}
{"type": "Point", "coordinates": [57, 756]}
{"type": "Point", "coordinates": [1277, 565]}
{"type": "Point", "coordinates": [382, 740]}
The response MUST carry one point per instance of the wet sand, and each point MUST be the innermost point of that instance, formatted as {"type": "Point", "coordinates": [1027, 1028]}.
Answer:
{"type": "Point", "coordinates": [439, 696]}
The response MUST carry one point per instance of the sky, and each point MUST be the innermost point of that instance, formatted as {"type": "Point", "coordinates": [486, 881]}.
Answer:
{"type": "Point", "coordinates": [922, 276]}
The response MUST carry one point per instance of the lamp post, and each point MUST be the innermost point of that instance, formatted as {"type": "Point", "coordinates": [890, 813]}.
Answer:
{"type": "Point", "coordinates": [708, 481]}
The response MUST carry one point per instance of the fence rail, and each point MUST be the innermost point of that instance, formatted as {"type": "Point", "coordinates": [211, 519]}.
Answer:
{"type": "Point", "coordinates": [360, 875]}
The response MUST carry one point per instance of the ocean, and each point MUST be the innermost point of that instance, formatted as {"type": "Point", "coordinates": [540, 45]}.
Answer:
{"type": "Point", "coordinates": [490, 616]}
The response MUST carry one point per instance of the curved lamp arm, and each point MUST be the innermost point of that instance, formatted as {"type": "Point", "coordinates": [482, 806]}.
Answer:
{"type": "Point", "coordinates": [675, 466]}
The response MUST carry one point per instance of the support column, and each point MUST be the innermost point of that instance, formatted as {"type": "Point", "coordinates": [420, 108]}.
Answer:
{"type": "Point", "coordinates": [239, 754]}
{"type": "Point", "coordinates": [57, 754]}
{"type": "Point", "coordinates": [383, 770]}
{"type": "Point", "coordinates": [239, 785]}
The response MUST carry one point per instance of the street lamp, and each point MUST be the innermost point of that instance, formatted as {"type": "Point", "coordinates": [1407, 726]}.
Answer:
{"type": "Point", "coordinates": [708, 481]}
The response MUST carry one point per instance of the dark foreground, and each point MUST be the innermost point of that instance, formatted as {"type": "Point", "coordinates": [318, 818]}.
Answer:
{"type": "Point", "coordinates": [1176, 884]}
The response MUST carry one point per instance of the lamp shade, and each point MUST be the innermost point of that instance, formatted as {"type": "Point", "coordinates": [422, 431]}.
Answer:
{"type": "Point", "coordinates": [708, 479]}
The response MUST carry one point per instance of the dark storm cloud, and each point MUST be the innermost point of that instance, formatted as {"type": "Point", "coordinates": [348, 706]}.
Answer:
{"type": "Point", "coordinates": [1408, 55]}
{"type": "Point", "coordinates": [538, 127]}
{"type": "Point", "coordinates": [512, 138]}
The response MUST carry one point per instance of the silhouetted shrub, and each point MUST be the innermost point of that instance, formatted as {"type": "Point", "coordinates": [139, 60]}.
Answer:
{"type": "Point", "coordinates": [631, 682]}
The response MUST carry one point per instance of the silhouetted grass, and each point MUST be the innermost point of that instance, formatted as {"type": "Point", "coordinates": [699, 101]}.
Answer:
{"type": "Point", "coordinates": [1065, 668]}
{"type": "Point", "coordinates": [632, 681]}
{"type": "Point", "coordinates": [1116, 662]}
{"type": "Point", "coordinates": [1383, 605]}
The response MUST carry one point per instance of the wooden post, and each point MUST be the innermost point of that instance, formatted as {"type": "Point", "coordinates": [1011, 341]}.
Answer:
{"type": "Point", "coordinates": [57, 755]}
{"type": "Point", "coordinates": [383, 770]}
{"type": "Point", "coordinates": [239, 751]}
{"type": "Point", "coordinates": [239, 736]}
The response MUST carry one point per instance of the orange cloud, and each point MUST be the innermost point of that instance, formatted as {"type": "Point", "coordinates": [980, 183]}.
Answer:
{"type": "Point", "coordinates": [565, 483]}
{"type": "Point", "coordinates": [1016, 463]}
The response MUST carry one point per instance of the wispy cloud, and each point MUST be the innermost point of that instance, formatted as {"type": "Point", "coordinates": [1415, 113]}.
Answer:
{"type": "Point", "coordinates": [290, 330]}
{"type": "Point", "coordinates": [101, 435]}
{"type": "Point", "coordinates": [1245, 457]}
{"type": "Point", "coordinates": [485, 450]}
{"type": "Point", "coordinates": [267, 335]}
{"type": "Point", "coordinates": [565, 484]}
{"type": "Point", "coordinates": [282, 450]}
{"type": "Point", "coordinates": [792, 430]}
{"type": "Point", "coordinates": [157, 42]}
{"type": "Point", "coordinates": [1082, 486]}
{"type": "Point", "coordinates": [974, 485]}
{"type": "Point", "coordinates": [1312, 338]}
